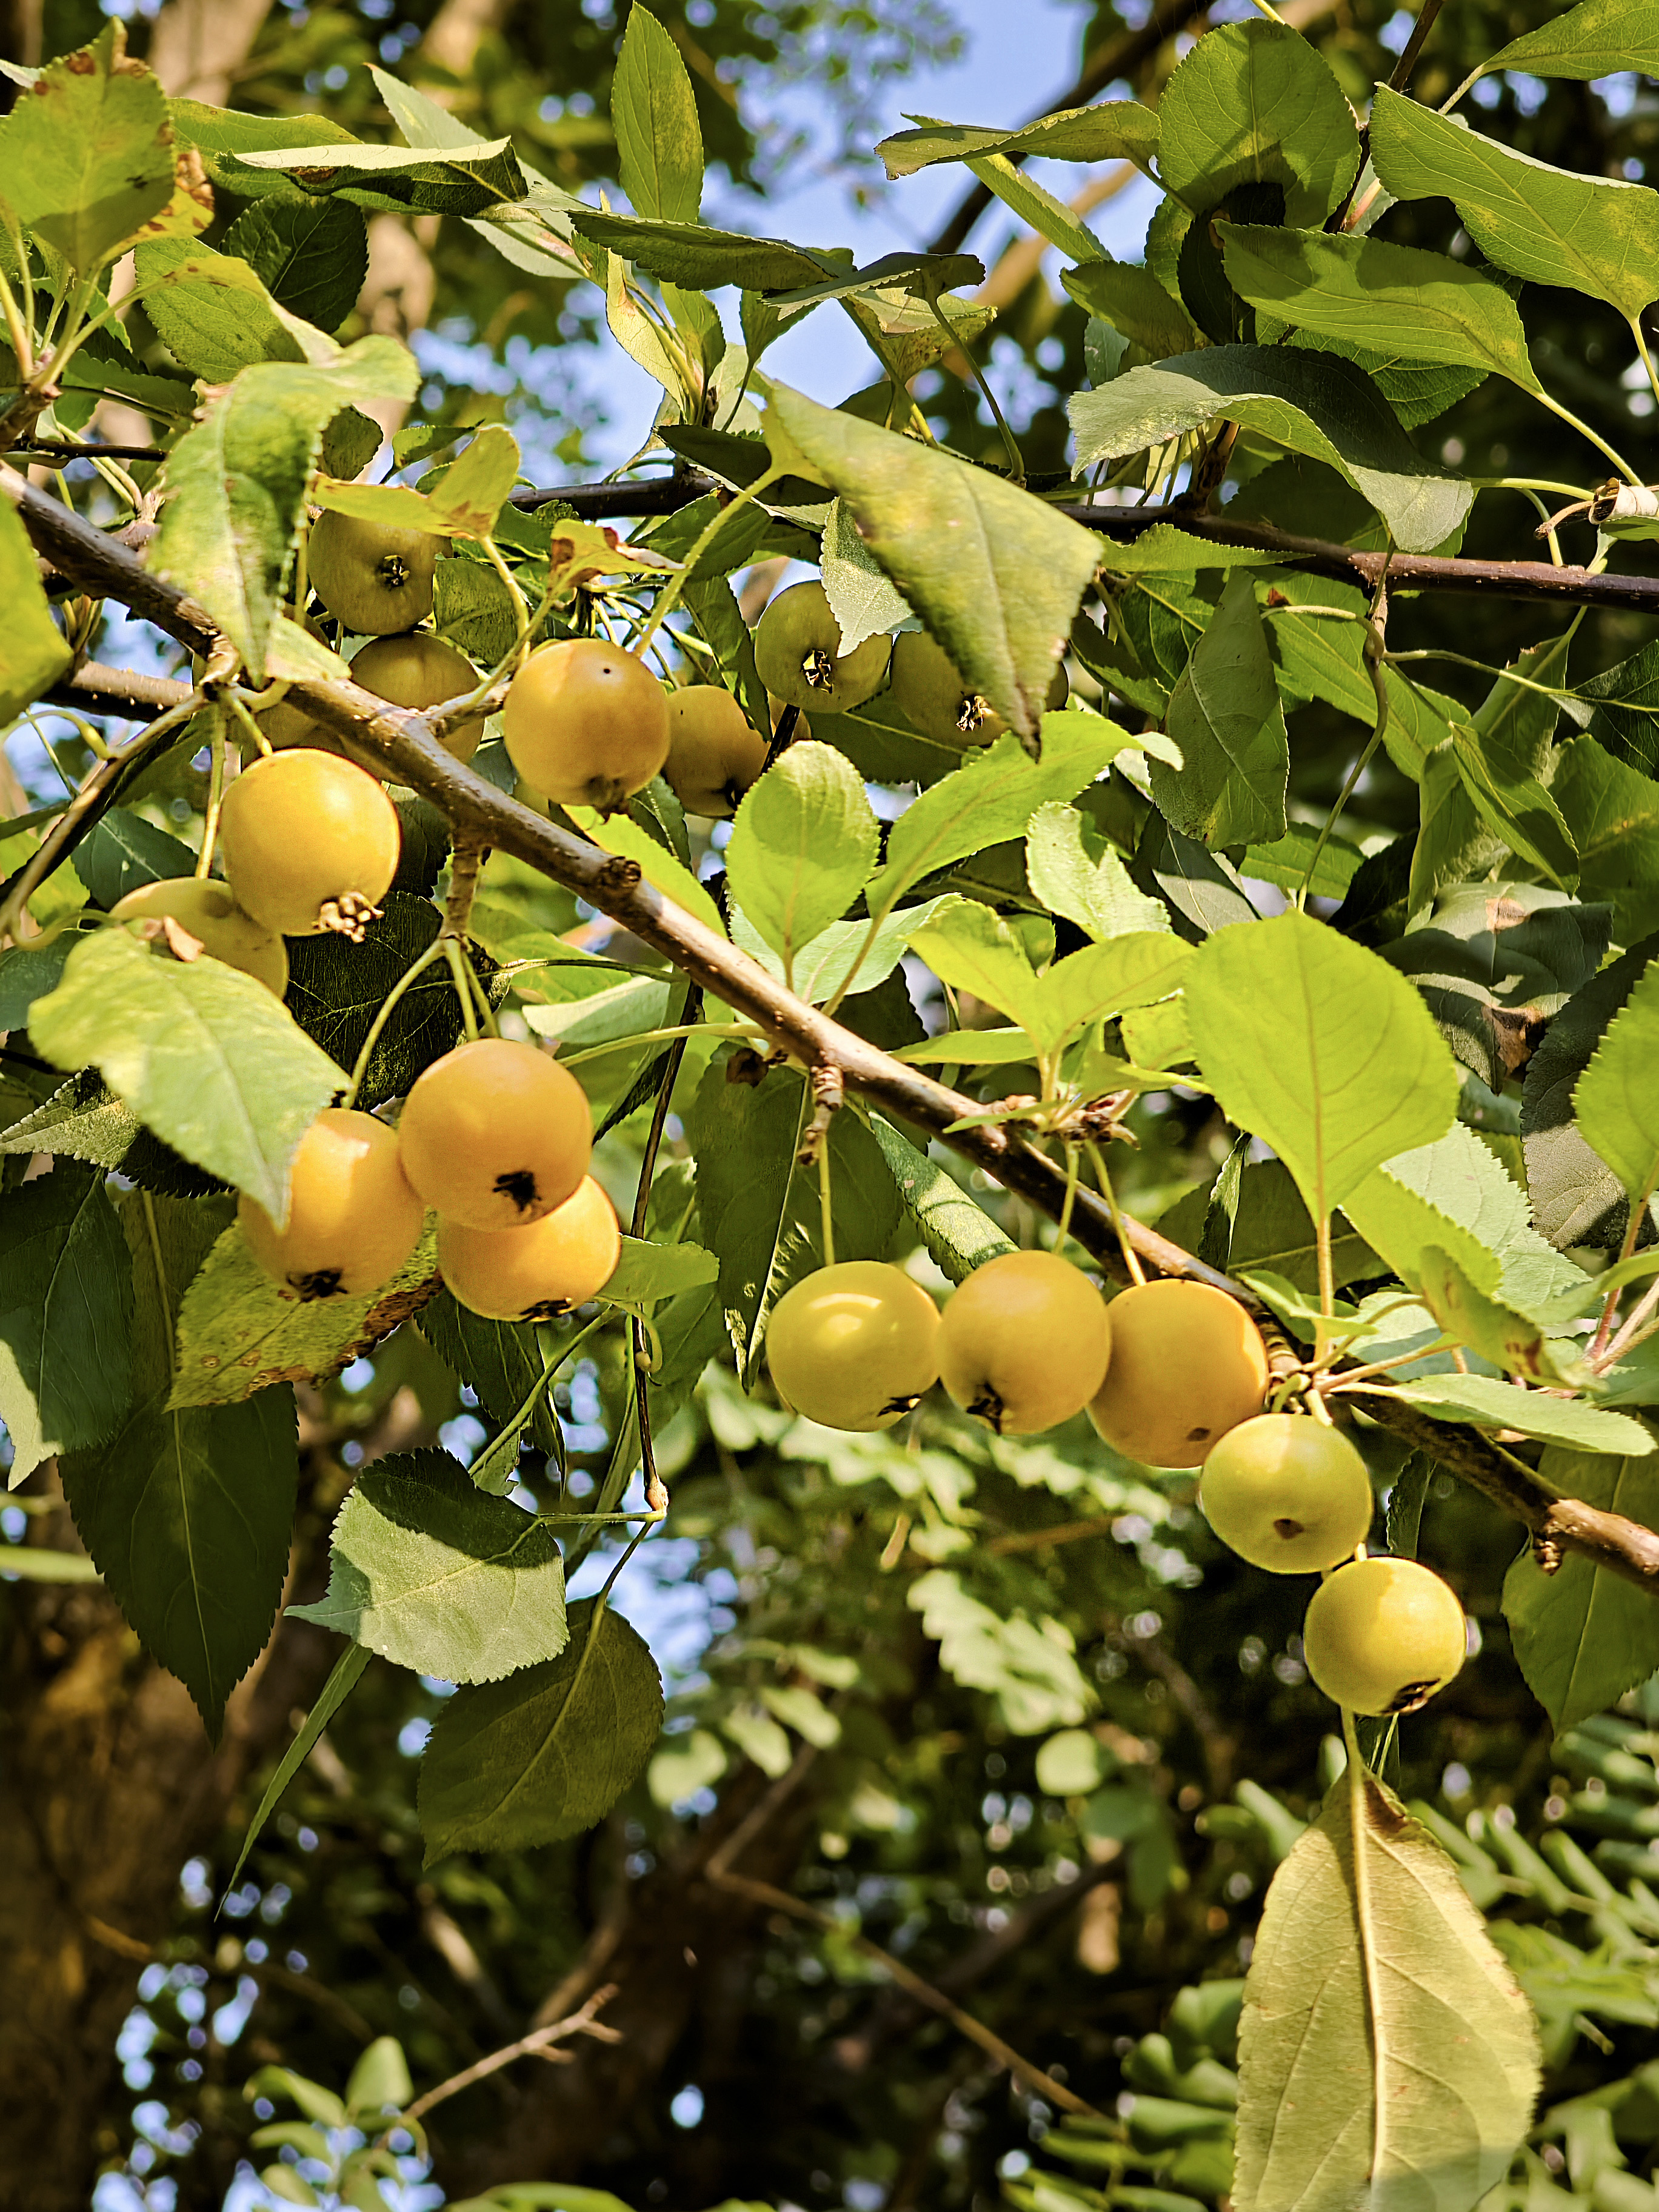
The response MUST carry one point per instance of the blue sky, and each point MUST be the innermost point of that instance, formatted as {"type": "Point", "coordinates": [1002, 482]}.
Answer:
{"type": "Point", "coordinates": [1019, 57]}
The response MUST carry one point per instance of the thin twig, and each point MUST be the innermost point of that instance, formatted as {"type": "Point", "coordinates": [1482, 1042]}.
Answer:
{"type": "Point", "coordinates": [538, 2043]}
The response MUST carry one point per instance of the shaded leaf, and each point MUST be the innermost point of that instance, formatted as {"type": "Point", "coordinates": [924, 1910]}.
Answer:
{"type": "Point", "coordinates": [1583, 1637]}
{"type": "Point", "coordinates": [188, 1516]}
{"type": "Point", "coordinates": [1382, 295]}
{"type": "Point", "coordinates": [1271, 1230]}
{"type": "Point", "coordinates": [336, 989]}
{"type": "Point", "coordinates": [547, 1752]}
{"type": "Point", "coordinates": [655, 115]}
{"type": "Point", "coordinates": [311, 255]}
{"type": "Point", "coordinates": [33, 652]}
{"type": "Point", "coordinates": [1616, 1096]}
{"type": "Point", "coordinates": [959, 1235]}
{"type": "Point", "coordinates": [66, 1308]}
{"type": "Point", "coordinates": [1577, 1198]}
{"type": "Point", "coordinates": [1254, 103]}
{"type": "Point", "coordinates": [1315, 404]}
{"type": "Point", "coordinates": [1110, 131]}
{"type": "Point", "coordinates": [1224, 714]}
{"type": "Point", "coordinates": [122, 850]}
{"type": "Point", "coordinates": [86, 152]}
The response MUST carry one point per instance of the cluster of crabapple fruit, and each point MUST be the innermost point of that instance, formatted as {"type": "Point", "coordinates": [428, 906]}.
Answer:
{"type": "Point", "coordinates": [1171, 1374]}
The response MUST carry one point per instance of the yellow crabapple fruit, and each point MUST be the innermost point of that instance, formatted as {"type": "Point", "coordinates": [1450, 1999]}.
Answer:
{"type": "Point", "coordinates": [372, 578]}
{"type": "Point", "coordinates": [585, 724]}
{"type": "Point", "coordinates": [495, 1135]}
{"type": "Point", "coordinates": [854, 1345]}
{"type": "Point", "coordinates": [1187, 1364]}
{"type": "Point", "coordinates": [534, 1273]}
{"type": "Point", "coordinates": [418, 670]}
{"type": "Point", "coordinates": [309, 842]}
{"type": "Point", "coordinates": [799, 657]}
{"type": "Point", "coordinates": [714, 754]}
{"type": "Point", "coordinates": [1024, 1342]}
{"type": "Point", "coordinates": [353, 1219]}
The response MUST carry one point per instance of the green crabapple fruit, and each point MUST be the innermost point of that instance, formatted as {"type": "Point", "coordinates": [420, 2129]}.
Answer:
{"type": "Point", "coordinates": [799, 657]}
{"type": "Point", "coordinates": [372, 578]}
{"type": "Point", "coordinates": [1287, 1493]}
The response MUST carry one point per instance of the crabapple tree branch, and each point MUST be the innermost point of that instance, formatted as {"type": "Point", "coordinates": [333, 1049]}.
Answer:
{"type": "Point", "coordinates": [481, 814]}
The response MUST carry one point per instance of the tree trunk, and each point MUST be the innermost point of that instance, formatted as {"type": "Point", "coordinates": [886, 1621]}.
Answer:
{"type": "Point", "coordinates": [108, 1788]}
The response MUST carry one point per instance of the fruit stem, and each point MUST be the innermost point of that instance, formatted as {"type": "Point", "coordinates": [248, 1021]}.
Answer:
{"type": "Point", "coordinates": [460, 975]}
{"type": "Point", "coordinates": [669, 599]}
{"type": "Point", "coordinates": [823, 1203]}
{"type": "Point", "coordinates": [216, 797]}
{"type": "Point", "coordinates": [1131, 1257]}
{"type": "Point", "coordinates": [360, 1065]}
{"type": "Point", "coordinates": [1326, 1266]}
{"type": "Point", "coordinates": [234, 701]}
{"type": "Point", "coordinates": [959, 344]}
{"type": "Point", "coordinates": [1065, 1227]}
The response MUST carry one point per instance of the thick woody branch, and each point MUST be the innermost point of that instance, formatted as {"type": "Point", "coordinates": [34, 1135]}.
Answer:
{"type": "Point", "coordinates": [480, 813]}
{"type": "Point", "coordinates": [1413, 572]}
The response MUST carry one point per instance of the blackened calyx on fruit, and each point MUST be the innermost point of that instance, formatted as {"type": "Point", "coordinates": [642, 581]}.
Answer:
{"type": "Point", "coordinates": [971, 712]}
{"type": "Point", "coordinates": [988, 1407]}
{"type": "Point", "coordinates": [818, 667]}
{"type": "Point", "coordinates": [320, 1282]}
{"type": "Point", "coordinates": [548, 1310]}
{"type": "Point", "coordinates": [901, 1406]}
{"type": "Point", "coordinates": [392, 570]}
{"type": "Point", "coordinates": [1288, 1529]}
{"type": "Point", "coordinates": [520, 1186]}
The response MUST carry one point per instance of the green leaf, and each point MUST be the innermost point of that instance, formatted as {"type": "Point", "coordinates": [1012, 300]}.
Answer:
{"type": "Point", "coordinates": [1583, 1636]}
{"type": "Point", "coordinates": [1390, 297]}
{"type": "Point", "coordinates": [1577, 1198]}
{"type": "Point", "coordinates": [380, 2080]}
{"type": "Point", "coordinates": [464, 501]}
{"type": "Point", "coordinates": [240, 1332]}
{"type": "Point", "coordinates": [1285, 862]}
{"type": "Point", "coordinates": [1315, 404]}
{"type": "Point", "coordinates": [33, 654]}
{"type": "Point", "coordinates": [311, 255]}
{"type": "Point", "coordinates": [65, 1317]}
{"type": "Point", "coordinates": [972, 949]}
{"type": "Point", "coordinates": [428, 1571]}
{"type": "Point", "coordinates": [236, 483]}
{"type": "Point", "coordinates": [201, 1054]}
{"type": "Point", "coordinates": [187, 1516]}
{"type": "Point", "coordinates": [1102, 981]}
{"type": "Point", "coordinates": [1591, 235]}
{"type": "Point", "coordinates": [1073, 869]}
{"type": "Point", "coordinates": [122, 850]}
{"type": "Point", "coordinates": [86, 154]}
{"type": "Point", "coordinates": [847, 958]}
{"type": "Point", "coordinates": [471, 180]}
{"type": "Point", "coordinates": [350, 442]}
{"type": "Point", "coordinates": [655, 115]}
{"type": "Point", "coordinates": [335, 991]}
{"type": "Point", "coordinates": [959, 1235]}
{"type": "Point", "coordinates": [1598, 38]}
{"type": "Point", "coordinates": [994, 573]}
{"type": "Point", "coordinates": [860, 597]}
{"type": "Point", "coordinates": [701, 259]}
{"type": "Point", "coordinates": [1036, 206]}
{"type": "Point", "coordinates": [1491, 1403]}
{"type": "Point", "coordinates": [547, 1752]}
{"type": "Point", "coordinates": [501, 1360]}
{"type": "Point", "coordinates": [648, 1272]}
{"type": "Point", "coordinates": [1027, 1666]}
{"type": "Point", "coordinates": [1617, 1098]}
{"type": "Point", "coordinates": [1318, 1047]}
{"type": "Point", "coordinates": [1253, 103]}
{"type": "Point", "coordinates": [1273, 1230]}
{"type": "Point", "coordinates": [760, 1210]}
{"type": "Point", "coordinates": [1626, 701]}
{"type": "Point", "coordinates": [347, 1674]}
{"type": "Point", "coordinates": [1110, 131]}
{"type": "Point", "coordinates": [1225, 715]}
{"type": "Point", "coordinates": [1131, 299]}
{"type": "Point", "coordinates": [1514, 805]}
{"type": "Point", "coordinates": [213, 313]}
{"type": "Point", "coordinates": [803, 847]}
{"type": "Point", "coordinates": [1386, 2054]}
{"type": "Point", "coordinates": [1461, 1179]}
{"type": "Point", "coordinates": [991, 797]}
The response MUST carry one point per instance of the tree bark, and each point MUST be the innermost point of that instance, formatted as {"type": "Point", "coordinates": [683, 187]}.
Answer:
{"type": "Point", "coordinates": [109, 1788]}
